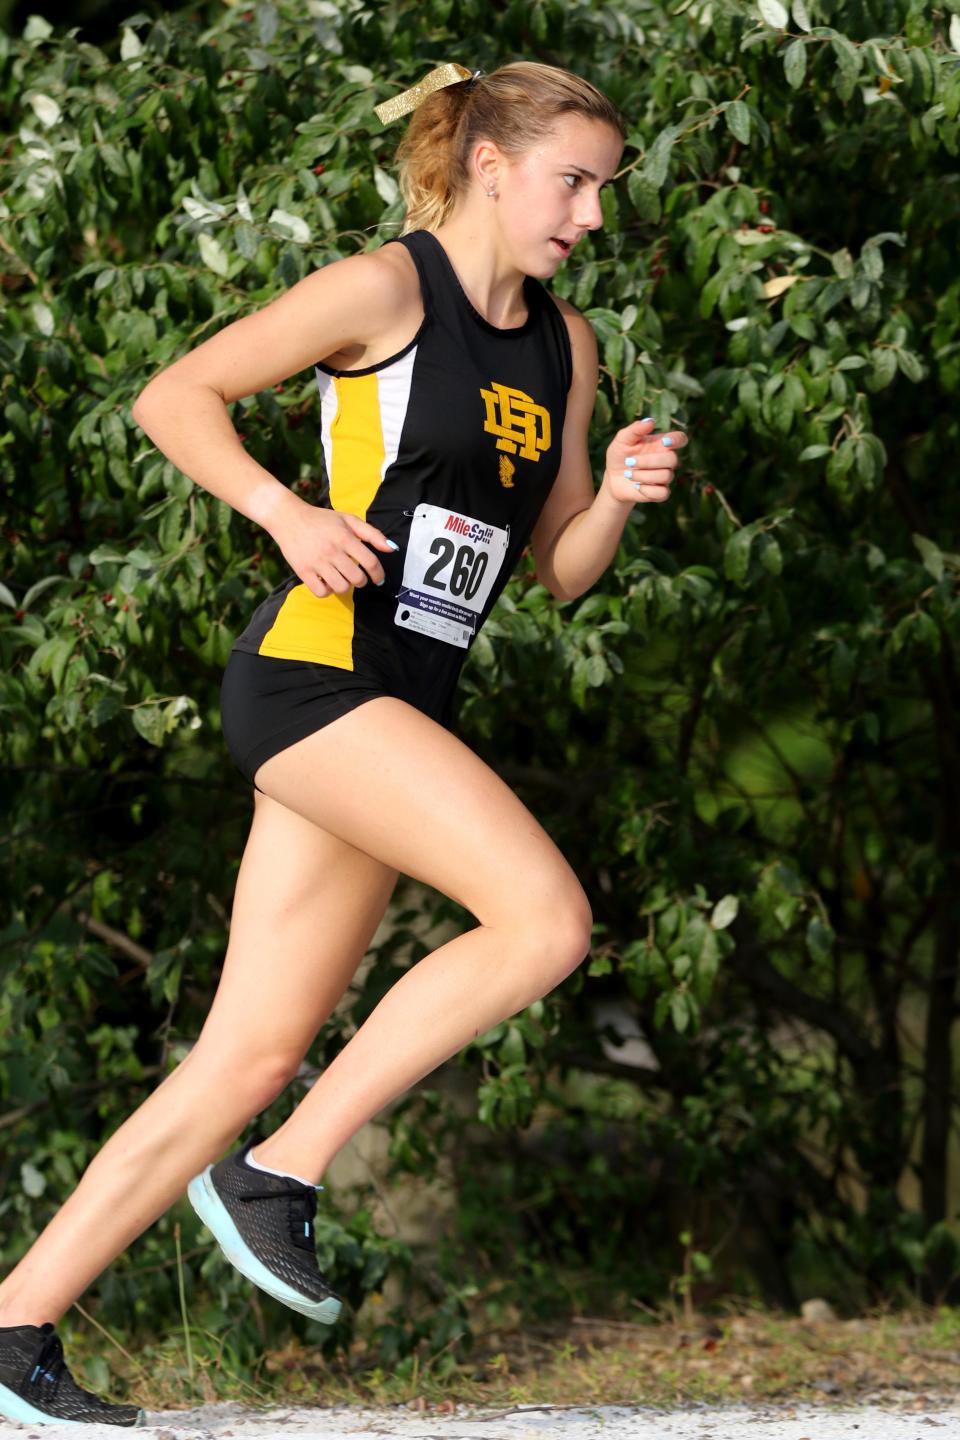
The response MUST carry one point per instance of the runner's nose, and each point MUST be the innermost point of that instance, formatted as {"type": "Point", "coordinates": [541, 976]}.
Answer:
{"type": "Point", "coordinates": [589, 213]}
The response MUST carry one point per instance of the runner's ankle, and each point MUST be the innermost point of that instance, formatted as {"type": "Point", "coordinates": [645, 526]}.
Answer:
{"type": "Point", "coordinates": [15, 1314]}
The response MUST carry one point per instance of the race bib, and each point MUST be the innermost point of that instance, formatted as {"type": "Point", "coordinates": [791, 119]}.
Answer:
{"type": "Point", "coordinates": [448, 573]}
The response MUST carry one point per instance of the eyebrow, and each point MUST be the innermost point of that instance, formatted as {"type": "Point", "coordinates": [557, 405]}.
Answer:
{"type": "Point", "coordinates": [589, 173]}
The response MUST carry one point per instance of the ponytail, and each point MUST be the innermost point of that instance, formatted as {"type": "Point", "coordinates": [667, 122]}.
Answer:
{"type": "Point", "coordinates": [428, 157]}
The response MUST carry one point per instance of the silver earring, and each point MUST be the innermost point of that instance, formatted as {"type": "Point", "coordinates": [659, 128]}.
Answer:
{"type": "Point", "coordinates": [492, 194]}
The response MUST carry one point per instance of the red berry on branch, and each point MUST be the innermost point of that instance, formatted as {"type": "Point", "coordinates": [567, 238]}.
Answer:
{"type": "Point", "coordinates": [764, 207]}
{"type": "Point", "coordinates": [319, 169]}
{"type": "Point", "coordinates": [126, 605]}
{"type": "Point", "coordinates": [18, 614]}
{"type": "Point", "coordinates": [708, 489]}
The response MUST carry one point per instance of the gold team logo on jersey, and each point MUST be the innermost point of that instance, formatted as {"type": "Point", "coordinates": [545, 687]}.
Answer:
{"type": "Point", "coordinates": [507, 472]}
{"type": "Point", "coordinates": [522, 427]}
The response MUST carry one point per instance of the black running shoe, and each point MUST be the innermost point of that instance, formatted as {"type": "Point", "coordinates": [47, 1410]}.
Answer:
{"type": "Point", "coordinates": [36, 1387]}
{"type": "Point", "coordinates": [264, 1225]}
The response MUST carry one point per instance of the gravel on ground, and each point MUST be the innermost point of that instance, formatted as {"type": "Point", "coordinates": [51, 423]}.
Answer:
{"type": "Point", "coordinates": [695, 1421]}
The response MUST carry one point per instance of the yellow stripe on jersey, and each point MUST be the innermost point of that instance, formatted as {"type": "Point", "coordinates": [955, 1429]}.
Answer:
{"type": "Point", "coordinates": [307, 627]}
{"type": "Point", "coordinates": [357, 436]}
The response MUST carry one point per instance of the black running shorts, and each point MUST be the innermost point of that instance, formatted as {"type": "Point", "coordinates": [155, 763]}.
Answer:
{"type": "Point", "coordinates": [267, 703]}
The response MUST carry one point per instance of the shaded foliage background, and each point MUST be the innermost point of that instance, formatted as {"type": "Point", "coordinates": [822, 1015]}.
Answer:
{"type": "Point", "coordinates": [744, 739]}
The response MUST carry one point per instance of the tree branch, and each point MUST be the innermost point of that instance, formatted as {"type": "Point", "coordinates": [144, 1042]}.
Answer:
{"type": "Point", "coordinates": [750, 963]}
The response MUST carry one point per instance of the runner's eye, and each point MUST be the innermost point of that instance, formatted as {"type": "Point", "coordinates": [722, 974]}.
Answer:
{"type": "Point", "coordinates": [574, 178]}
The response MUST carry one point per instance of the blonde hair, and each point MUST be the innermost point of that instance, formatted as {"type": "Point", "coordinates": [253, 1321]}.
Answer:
{"type": "Point", "coordinates": [514, 106]}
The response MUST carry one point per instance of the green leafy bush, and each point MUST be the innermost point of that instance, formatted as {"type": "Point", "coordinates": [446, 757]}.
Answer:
{"type": "Point", "coordinates": [744, 737]}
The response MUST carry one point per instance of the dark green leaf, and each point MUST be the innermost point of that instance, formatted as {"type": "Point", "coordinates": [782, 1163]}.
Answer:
{"type": "Point", "coordinates": [795, 63]}
{"type": "Point", "coordinates": [738, 120]}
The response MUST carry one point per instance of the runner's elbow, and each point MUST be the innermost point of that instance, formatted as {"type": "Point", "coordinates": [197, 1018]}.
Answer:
{"type": "Point", "coordinates": [549, 581]}
{"type": "Point", "coordinates": [148, 399]}
{"type": "Point", "coordinates": [157, 394]}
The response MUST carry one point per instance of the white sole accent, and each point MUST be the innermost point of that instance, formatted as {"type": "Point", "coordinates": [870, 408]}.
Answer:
{"type": "Point", "coordinates": [208, 1205]}
{"type": "Point", "coordinates": [14, 1407]}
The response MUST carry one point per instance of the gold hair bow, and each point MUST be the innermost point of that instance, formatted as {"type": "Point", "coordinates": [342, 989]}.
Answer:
{"type": "Point", "coordinates": [408, 100]}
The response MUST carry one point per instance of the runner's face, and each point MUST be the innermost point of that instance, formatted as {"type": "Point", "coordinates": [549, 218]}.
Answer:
{"type": "Point", "coordinates": [551, 192]}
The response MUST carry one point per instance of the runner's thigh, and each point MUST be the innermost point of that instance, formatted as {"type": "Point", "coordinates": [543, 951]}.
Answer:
{"type": "Point", "coordinates": [395, 784]}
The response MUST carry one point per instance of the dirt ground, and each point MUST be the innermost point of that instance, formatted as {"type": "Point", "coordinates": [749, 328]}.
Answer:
{"type": "Point", "coordinates": [767, 1422]}
{"type": "Point", "coordinates": [732, 1377]}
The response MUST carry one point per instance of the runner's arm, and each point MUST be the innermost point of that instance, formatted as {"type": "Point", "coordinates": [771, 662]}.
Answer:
{"type": "Point", "coordinates": [183, 409]}
{"type": "Point", "coordinates": [578, 531]}
{"type": "Point", "coordinates": [573, 492]}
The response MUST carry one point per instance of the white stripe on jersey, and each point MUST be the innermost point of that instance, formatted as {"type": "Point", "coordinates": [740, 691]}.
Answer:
{"type": "Point", "coordinates": [393, 385]}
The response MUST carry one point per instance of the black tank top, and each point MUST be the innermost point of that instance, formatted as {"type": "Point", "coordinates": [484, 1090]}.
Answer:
{"type": "Point", "coordinates": [450, 447]}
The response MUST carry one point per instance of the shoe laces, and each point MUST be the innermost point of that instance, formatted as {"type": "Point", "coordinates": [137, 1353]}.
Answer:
{"type": "Point", "coordinates": [48, 1365]}
{"type": "Point", "coordinates": [302, 1209]}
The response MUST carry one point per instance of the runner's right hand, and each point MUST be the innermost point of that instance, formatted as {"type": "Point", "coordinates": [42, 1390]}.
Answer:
{"type": "Point", "coordinates": [326, 548]}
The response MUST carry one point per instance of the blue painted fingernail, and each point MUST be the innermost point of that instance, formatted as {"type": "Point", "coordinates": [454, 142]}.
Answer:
{"type": "Point", "coordinates": [666, 440]}
{"type": "Point", "coordinates": [630, 460]}
{"type": "Point", "coordinates": [393, 545]}
{"type": "Point", "coordinates": [636, 484]}
{"type": "Point", "coordinates": [646, 419]}
{"type": "Point", "coordinates": [380, 582]}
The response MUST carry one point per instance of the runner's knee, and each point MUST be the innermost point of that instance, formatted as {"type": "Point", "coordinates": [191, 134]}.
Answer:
{"type": "Point", "coordinates": [557, 932]}
{"type": "Point", "coordinates": [572, 928]}
{"type": "Point", "coordinates": [251, 1077]}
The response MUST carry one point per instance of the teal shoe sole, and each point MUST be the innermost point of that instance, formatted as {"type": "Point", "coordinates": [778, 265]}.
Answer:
{"type": "Point", "coordinates": [208, 1205]}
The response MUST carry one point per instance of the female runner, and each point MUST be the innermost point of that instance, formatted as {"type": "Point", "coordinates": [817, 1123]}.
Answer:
{"type": "Point", "coordinates": [455, 396]}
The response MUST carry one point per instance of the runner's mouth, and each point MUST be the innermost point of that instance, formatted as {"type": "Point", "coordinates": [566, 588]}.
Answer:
{"type": "Point", "coordinates": [564, 246]}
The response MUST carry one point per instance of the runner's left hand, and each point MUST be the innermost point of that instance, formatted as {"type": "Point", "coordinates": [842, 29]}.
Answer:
{"type": "Point", "coordinates": [637, 457]}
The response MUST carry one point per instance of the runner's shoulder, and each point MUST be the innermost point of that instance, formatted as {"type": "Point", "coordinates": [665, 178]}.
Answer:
{"type": "Point", "coordinates": [381, 284]}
